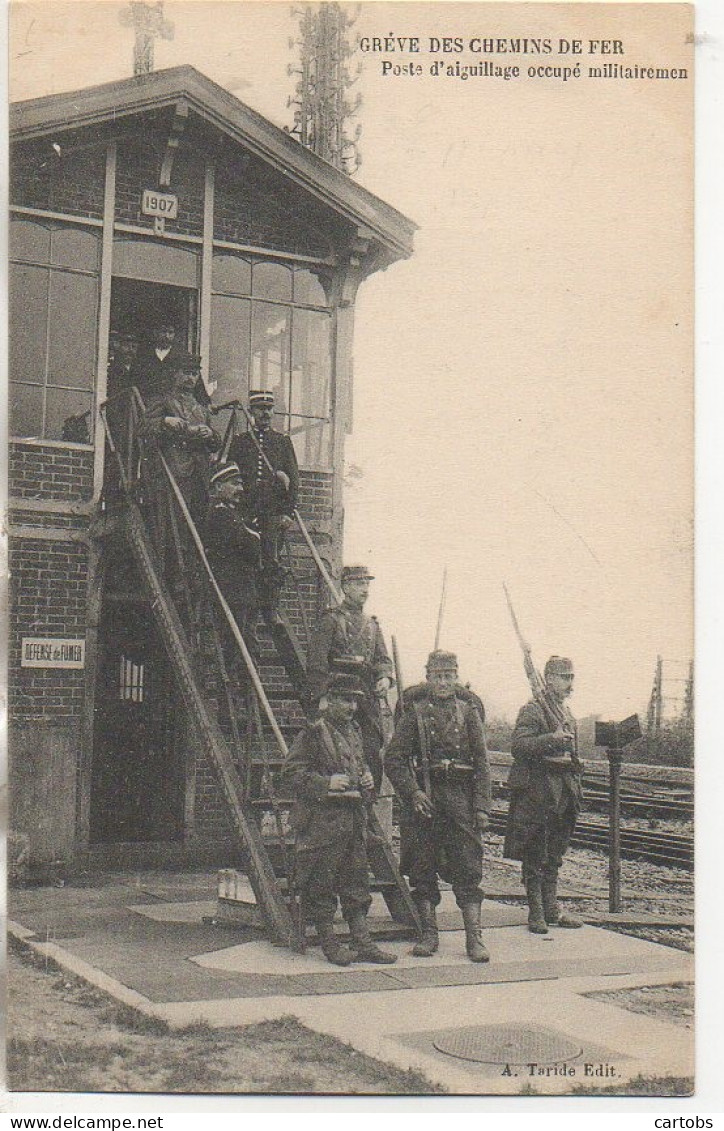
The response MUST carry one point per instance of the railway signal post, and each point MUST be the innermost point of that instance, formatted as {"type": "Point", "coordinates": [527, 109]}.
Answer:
{"type": "Point", "coordinates": [615, 736]}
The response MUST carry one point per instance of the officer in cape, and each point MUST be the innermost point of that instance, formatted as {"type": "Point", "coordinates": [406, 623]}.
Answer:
{"type": "Point", "coordinates": [333, 788]}
{"type": "Point", "coordinates": [347, 640]}
{"type": "Point", "coordinates": [437, 762]}
{"type": "Point", "coordinates": [545, 796]}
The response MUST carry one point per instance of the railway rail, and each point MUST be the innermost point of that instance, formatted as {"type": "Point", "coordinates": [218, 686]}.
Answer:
{"type": "Point", "coordinates": [671, 849]}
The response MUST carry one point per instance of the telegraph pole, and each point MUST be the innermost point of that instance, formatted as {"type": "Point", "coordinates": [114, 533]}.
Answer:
{"type": "Point", "coordinates": [148, 23]}
{"type": "Point", "coordinates": [323, 111]}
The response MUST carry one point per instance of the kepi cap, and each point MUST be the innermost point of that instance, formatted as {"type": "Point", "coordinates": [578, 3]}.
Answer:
{"type": "Point", "coordinates": [223, 472]}
{"type": "Point", "coordinates": [558, 665]}
{"type": "Point", "coordinates": [439, 661]}
{"type": "Point", "coordinates": [259, 398]}
{"type": "Point", "coordinates": [356, 573]}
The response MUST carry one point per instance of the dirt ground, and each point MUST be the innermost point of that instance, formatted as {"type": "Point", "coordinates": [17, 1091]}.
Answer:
{"type": "Point", "coordinates": [673, 1002]}
{"type": "Point", "coordinates": [68, 1037]}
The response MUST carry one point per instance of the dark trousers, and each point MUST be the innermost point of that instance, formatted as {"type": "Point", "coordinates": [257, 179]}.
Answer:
{"type": "Point", "coordinates": [271, 574]}
{"type": "Point", "coordinates": [334, 864]}
{"type": "Point", "coordinates": [448, 846]}
{"type": "Point", "coordinates": [546, 844]}
{"type": "Point", "coordinates": [369, 720]}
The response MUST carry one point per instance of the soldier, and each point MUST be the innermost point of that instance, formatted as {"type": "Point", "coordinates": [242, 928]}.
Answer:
{"type": "Point", "coordinates": [272, 496]}
{"type": "Point", "coordinates": [438, 763]}
{"type": "Point", "coordinates": [232, 548]}
{"type": "Point", "coordinates": [333, 786]}
{"type": "Point", "coordinates": [545, 797]}
{"type": "Point", "coordinates": [348, 639]}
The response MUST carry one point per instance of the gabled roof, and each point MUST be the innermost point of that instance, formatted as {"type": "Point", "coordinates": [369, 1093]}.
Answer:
{"type": "Point", "coordinates": [112, 101]}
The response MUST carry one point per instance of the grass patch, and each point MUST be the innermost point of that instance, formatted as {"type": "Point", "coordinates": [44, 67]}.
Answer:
{"type": "Point", "coordinates": [643, 1086]}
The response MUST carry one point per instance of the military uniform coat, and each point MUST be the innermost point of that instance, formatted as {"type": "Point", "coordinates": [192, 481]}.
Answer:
{"type": "Point", "coordinates": [449, 736]}
{"type": "Point", "coordinates": [331, 831]}
{"type": "Point", "coordinates": [266, 494]}
{"type": "Point", "coordinates": [342, 634]}
{"type": "Point", "coordinates": [544, 800]}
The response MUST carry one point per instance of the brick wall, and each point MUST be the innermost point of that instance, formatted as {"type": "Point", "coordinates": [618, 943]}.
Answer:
{"type": "Point", "coordinates": [48, 587]}
{"type": "Point", "coordinates": [71, 181]}
{"type": "Point", "coordinates": [139, 166]}
{"type": "Point", "coordinates": [39, 471]}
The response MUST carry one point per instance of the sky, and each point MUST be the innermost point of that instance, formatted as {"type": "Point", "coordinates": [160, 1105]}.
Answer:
{"type": "Point", "coordinates": [523, 403]}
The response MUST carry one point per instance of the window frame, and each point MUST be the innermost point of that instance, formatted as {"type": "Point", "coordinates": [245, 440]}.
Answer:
{"type": "Point", "coordinates": [53, 224]}
{"type": "Point", "coordinates": [295, 423]}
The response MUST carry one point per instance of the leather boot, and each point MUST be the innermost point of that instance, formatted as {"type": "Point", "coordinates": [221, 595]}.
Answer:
{"type": "Point", "coordinates": [333, 949]}
{"type": "Point", "coordinates": [536, 917]}
{"type": "Point", "coordinates": [553, 916]}
{"type": "Point", "coordinates": [476, 951]}
{"type": "Point", "coordinates": [430, 940]}
{"type": "Point", "coordinates": [363, 948]}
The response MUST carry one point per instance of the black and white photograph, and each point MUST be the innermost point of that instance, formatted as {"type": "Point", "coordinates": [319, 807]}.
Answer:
{"type": "Point", "coordinates": [350, 519]}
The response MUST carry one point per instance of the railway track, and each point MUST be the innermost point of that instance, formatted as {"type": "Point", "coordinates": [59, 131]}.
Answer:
{"type": "Point", "coordinates": [671, 849]}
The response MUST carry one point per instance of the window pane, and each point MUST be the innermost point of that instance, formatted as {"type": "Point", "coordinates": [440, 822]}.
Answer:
{"type": "Point", "coordinates": [73, 317]}
{"type": "Point", "coordinates": [28, 321]}
{"type": "Point", "coordinates": [229, 347]}
{"type": "Point", "coordinates": [61, 406]}
{"type": "Point", "coordinates": [29, 240]}
{"type": "Point", "coordinates": [26, 410]}
{"type": "Point", "coordinates": [270, 351]}
{"type": "Point", "coordinates": [231, 274]}
{"type": "Point", "coordinates": [155, 262]}
{"type": "Point", "coordinates": [75, 247]}
{"type": "Point", "coordinates": [272, 280]}
{"type": "Point", "coordinates": [311, 386]}
{"type": "Point", "coordinates": [308, 289]}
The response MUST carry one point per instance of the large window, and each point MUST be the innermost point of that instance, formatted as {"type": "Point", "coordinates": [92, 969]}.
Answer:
{"type": "Point", "coordinates": [271, 329]}
{"type": "Point", "coordinates": [53, 327]}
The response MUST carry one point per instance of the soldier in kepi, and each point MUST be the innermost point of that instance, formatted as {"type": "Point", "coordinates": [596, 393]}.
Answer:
{"type": "Point", "coordinates": [271, 494]}
{"type": "Point", "coordinates": [545, 796]}
{"type": "Point", "coordinates": [332, 786]}
{"type": "Point", "coordinates": [438, 763]}
{"type": "Point", "coordinates": [346, 639]}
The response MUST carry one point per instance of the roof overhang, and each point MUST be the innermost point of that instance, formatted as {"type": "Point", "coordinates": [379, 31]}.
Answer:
{"type": "Point", "coordinates": [115, 101]}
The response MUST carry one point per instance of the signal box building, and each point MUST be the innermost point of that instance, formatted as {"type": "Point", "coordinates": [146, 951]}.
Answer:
{"type": "Point", "coordinates": [161, 198]}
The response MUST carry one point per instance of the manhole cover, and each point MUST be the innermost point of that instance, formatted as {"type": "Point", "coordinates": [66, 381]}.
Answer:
{"type": "Point", "coordinates": [507, 1044]}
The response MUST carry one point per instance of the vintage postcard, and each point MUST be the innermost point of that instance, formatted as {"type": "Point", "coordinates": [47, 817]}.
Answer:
{"type": "Point", "coordinates": [350, 529]}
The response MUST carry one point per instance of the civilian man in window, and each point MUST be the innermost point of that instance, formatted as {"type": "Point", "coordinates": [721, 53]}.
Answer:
{"type": "Point", "coordinates": [269, 471]}
{"type": "Point", "coordinates": [154, 368]}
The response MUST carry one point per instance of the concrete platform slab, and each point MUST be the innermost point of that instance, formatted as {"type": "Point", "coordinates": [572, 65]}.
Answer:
{"type": "Point", "coordinates": [160, 956]}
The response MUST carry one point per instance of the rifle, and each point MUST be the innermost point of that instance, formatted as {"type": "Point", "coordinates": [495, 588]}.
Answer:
{"type": "Point", "coordinates": [441, 609]}
{"type": "Point", "coordinates": [398, 676]}
{"type": "Point", "coordinates": [552, 710]}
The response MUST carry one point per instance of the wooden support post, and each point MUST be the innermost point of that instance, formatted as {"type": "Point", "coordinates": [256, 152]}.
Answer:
{"type": "Point", "coordinates": [104, 313]}
{"type": "Point", "coordinates": [615, 758]}
{"type": "Point", "coordinates": [207, 259]}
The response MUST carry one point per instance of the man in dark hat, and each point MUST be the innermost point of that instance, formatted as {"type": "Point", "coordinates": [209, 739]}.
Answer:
{"type": "Point", "coordinates": [232, 547]}
{"type": "Point", "coordinates": [346, 639]}
{"type": "Point", "coordinates": [271, 494]}
{"type": "Point", "coordinates": [545, 796]}
{"type": "Point", "coordinates": [438, 763]}
{"type": "Point", "coordinates": [333, 787]}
